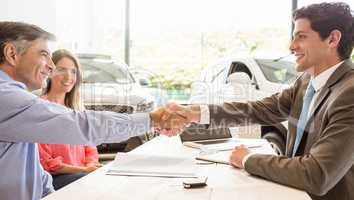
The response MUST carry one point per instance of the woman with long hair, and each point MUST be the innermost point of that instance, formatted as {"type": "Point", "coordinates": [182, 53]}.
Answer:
{"type": "Point", "coordinates": [65, 162]}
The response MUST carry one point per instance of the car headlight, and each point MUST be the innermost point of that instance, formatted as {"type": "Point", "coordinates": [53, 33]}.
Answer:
{"type": "Point", "coordinates": [145, 106]}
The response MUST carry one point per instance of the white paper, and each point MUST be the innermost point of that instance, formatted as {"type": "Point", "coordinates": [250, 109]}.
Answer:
{"type": "Point", "coordinates": [250, 143]}
{"type": "Point", "coordinates": [156, 166]}
{"type": "Point", "coordinates": [255, 146]}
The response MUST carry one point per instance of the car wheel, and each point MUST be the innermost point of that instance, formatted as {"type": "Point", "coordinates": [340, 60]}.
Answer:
{"type": "Point", "coordinates": [276, 141]}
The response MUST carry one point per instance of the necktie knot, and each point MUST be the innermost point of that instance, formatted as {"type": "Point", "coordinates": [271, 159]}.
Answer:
{"type": "Point", "coordinates": [310, 91]}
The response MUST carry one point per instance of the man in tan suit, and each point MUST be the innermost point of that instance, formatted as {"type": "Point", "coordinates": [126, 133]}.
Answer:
{"type": "Point", "coordinates": [319, 108]}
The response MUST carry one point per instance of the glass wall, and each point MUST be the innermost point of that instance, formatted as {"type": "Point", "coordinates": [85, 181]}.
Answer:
{"type": "Point", "coordinates": [172, 41]}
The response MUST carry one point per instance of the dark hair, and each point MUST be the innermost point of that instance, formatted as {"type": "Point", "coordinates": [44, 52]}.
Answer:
{"type": "Point", "coordinates": [20, 34]}
{"type": "Point", "coordinates": [326, 17]}
{"type": "Point", "coordinates": [72, 98]}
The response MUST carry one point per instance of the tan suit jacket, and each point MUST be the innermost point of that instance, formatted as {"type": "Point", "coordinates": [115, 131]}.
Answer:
{"type": "Point", "coordinates": [324, 163]}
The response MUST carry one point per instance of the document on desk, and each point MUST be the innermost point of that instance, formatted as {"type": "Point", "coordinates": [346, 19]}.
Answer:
{"type": "Point", "coordinates": [223, 156]}
{"type": "Point", "coordinates": [127, 164]}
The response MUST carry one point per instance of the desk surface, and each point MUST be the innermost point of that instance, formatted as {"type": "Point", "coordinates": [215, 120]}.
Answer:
{"type": "Point", "coordinates": [224, 182]}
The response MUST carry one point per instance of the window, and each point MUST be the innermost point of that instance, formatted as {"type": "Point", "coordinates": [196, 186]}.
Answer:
{"type": "Point", "coordinates": [240, 67]}
{"type": "Point", "coordinates": [278, 71]}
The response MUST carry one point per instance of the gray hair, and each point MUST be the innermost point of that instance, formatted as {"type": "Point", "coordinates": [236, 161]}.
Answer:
{"type": "Point", "coordinates": [20, 35]}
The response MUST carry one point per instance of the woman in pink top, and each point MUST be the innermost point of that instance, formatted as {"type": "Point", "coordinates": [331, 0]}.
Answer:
{"type": "Point", "coordinates": [65, 162]}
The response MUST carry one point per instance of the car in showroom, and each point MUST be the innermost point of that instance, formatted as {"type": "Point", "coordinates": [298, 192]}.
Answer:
{"type": "Point", "coordinates": [108, 85]}
{"type": "Point", "coordinates": [246, 79]}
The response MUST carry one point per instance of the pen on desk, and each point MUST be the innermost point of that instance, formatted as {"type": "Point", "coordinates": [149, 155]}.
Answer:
{"type": "Point", "coordinates": [204, 162]}
{"type": "Point", "coordinates": [254, 146]}
{"type": "Point", "coordinates": [250, 147]}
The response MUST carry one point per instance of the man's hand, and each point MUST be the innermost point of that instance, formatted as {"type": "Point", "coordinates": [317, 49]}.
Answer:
{"type": "Point", "coordinates": [237, 156]}
{"type": "Point", "coordinates": [191, 112]}
{"type": "Point", "coordinates": [173, 118]}
{"type": "Point", "coordinates": [166, 122]}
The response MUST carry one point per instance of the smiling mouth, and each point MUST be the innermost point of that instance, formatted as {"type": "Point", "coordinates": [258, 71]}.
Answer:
{"type": "Point", "coordinates": [298, 56]}
{"type": "Point", "coordinates": [67, 84]}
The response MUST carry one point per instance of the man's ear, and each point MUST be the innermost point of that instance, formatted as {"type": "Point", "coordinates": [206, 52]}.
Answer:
{"type": "Point", "coordinates": [10, 53]}
{"type": "Point", "coordinates": [334, 38]}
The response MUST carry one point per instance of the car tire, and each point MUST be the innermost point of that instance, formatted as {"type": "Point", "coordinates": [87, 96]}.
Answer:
{"type": "Point", "coordinates": [276, 141]}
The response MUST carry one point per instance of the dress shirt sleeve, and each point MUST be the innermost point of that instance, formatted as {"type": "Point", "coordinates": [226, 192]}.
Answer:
{"type": "Point", "coordinates": [91, 154]}
{"type": "Point", "coordinates": [49, 163]}
{"type": "Point", "coordinates": [204, 114]}
{"type": "Point", "coordinates": [25, 117]}
{"type": "Point", "coordinates": [47, 183]}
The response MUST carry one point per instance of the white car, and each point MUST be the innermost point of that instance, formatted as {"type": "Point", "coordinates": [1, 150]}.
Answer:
{"type": "Point", "coordinates": [108, 85]}
{"type": "Point", "coordinates": [246, 79]}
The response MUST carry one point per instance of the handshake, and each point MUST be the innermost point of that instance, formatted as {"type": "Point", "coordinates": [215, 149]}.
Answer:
{"type": "Point", "coordinates": [172, 118]}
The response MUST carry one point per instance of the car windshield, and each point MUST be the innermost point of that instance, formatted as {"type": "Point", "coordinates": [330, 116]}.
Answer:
{"type": "Point", "coordinates": [211, 73]}
{"type": "Point", "coordinates": [278, 71]}
{"type": "Point", "coordinates": [100, 71]}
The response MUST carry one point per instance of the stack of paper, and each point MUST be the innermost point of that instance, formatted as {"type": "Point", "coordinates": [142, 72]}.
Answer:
{"type": "Point", "coordinates": [148, 165]}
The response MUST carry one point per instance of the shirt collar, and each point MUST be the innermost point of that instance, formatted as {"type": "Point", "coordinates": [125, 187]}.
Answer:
{"type": "Point", "coordinates": [5, 76]}
{"type": "Point", "coordinates": [320, 80]}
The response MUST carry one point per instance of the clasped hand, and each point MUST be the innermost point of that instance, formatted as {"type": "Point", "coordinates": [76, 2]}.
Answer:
{"type": "Point", "coordinates": [171, 119]}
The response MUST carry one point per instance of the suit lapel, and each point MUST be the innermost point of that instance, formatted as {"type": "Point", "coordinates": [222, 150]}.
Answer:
{"type": "Point", "coordinates": [322, 96]}
{"type": "Point", "coordinates": [334, 78]}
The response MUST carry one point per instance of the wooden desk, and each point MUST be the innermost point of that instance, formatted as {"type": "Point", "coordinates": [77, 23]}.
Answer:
{"type": "Point", "coordinates": [224, 182]}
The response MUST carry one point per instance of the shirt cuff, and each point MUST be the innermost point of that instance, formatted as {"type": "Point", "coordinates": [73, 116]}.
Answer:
{"type": "Point", "coordinates": [246, 158]}
{"type": "Point", "coordinates": [204, 114]}
{"type": "Point", "coordinates": [140, 124]}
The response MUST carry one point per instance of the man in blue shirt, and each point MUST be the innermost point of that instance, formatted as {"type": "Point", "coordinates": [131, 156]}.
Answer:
{"type": "Point", "coordinates": [25, 63]}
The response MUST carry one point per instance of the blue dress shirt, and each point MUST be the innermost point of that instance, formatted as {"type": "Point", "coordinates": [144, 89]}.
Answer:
{"type": "Point", "coordinates": [26, 119]}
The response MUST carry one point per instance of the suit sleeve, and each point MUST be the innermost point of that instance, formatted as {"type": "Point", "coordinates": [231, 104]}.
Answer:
{"type": "Point", "coordinates": [328, 160]}
{"type": "Point", "coordinates": [268, 111]}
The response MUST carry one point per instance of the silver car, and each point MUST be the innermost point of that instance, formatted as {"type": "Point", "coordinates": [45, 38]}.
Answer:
{"type": "Point", "coordinates": [108, 85]}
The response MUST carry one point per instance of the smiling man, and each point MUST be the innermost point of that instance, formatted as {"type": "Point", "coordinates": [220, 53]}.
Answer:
{"type": "Point", "coordinates": [319, 108]}
{"type": "Point", "coordinates": [25, 63]}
